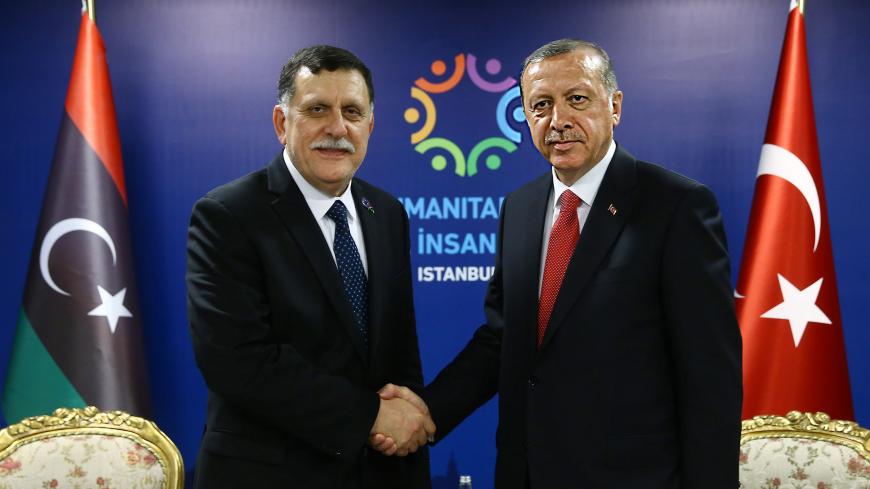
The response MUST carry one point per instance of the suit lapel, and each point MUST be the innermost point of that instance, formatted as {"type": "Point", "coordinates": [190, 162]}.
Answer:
{"type": "Point", "coordinates": [528, 240]}
{"type": "Point", "coordinates": [291, 208]}
{"type": "Point", "coordinates": [602, 227]}
{"type": "Point", "coordinates": [376, 256]}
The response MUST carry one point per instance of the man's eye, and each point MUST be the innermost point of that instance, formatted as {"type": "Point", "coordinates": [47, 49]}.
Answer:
{"type": "Point", "coordinates": [543, 104]}
{"type": "Point", "coordinates": [317, 109]}
{"type": "Point", "coordinates": [577, 98]}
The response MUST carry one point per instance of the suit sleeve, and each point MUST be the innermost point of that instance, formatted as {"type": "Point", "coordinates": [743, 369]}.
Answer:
{"type": "Point", "coordinates": [241, 362]}
{"type": "Point", "coordinates": [705, 342]}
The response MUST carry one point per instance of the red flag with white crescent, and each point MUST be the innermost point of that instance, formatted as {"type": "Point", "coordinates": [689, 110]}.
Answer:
{"type": "Point", "coordinates": [794, 355]}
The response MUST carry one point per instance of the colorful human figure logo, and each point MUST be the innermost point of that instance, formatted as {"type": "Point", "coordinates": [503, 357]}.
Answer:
{"type": "Point", "coordinates": [464, 165]}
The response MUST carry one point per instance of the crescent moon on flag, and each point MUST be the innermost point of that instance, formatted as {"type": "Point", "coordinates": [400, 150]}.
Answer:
{"type": "Point", "coordinates": [57, 231]}
{"type": "Point", "coordinates": [780, 162]}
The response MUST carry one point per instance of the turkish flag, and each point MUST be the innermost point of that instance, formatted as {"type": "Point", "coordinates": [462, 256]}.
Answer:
{"type": "Point", "coordinates": [793, 351]}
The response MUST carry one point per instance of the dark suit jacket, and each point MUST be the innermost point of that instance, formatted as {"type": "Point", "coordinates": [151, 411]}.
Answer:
{"type": "Point", "coordinates": [638, 381]}
{"type": "Point", "coordinates": [291, 386]}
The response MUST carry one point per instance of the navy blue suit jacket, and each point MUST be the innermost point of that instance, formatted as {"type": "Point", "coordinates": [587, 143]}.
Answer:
{"type": "Point", "coordinates": [292, 389]}
{"type": "Point", "coordinates": [638, 380]}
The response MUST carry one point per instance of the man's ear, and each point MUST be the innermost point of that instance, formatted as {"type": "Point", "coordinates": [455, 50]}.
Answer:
{"type": "Point", "coordinates": [616, 107]}
{"type": "Point", "coordinates": [278, 119]}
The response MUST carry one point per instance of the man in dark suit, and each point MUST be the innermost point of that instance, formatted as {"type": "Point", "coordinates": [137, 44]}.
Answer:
{"type": "Point", "coordinates": [610, 337]}
{"type": "Point", "coordinates": [300, 305]}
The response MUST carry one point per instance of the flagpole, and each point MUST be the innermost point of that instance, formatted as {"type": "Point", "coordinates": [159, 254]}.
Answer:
{"type": "Point", "coordinates": [93, 15]}
{"type": "Point", "coordinates": [800, 6]}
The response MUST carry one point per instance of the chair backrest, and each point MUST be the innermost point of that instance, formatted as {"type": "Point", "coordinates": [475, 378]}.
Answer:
{"type": "Point", "coordinates": [88, 448]}
{"type": "Point", "coordinates": [803, 450]}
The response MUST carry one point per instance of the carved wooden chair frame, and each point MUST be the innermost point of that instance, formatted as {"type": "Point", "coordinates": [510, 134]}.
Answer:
{"type": "Point", "coordinates": [814, 426]}
{"type": "Point", "coordinates": [92, 421]}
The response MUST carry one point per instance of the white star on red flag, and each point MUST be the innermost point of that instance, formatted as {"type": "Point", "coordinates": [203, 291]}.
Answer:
{"type": "Point", "coordinates": [798, 307]}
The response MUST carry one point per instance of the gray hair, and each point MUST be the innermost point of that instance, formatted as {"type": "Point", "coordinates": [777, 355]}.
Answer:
{"type": "Point", "coordinates": [562, 46]}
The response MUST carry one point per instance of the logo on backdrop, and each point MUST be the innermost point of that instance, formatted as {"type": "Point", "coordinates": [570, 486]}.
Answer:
{"type": "Point", "coordinates": [426, 138]}
{"type": "Point", "coordinates": [464, 129]}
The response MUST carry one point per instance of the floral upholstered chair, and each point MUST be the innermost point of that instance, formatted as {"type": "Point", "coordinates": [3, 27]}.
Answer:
{"type": "Point", "coordinates": [88, 448]}
{"type": "Point", "coordinates": [803, 451]}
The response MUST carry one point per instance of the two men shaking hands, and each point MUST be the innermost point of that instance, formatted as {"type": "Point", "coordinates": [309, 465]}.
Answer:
{"type": "Point", "coordinates": [609, 314]}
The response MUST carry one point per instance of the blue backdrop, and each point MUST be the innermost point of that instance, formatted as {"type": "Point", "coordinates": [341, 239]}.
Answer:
{"type": "Point", "coordinates": [194, 89]}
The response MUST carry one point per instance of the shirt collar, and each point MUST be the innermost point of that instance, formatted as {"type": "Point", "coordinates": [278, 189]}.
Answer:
{"type": "Point", "coordinates": [319, 201]}
{"type": "Point", "coordinates": [586, 187]}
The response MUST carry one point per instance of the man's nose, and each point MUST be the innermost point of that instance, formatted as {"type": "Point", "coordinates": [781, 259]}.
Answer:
{"type": "Point", "coordinates": [337, 124]}
{"type": "Point", "coordinates": [560, 120]}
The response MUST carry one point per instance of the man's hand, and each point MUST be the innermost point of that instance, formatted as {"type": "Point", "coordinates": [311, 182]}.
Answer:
{"type": "Point", "coordinates": [403, 423]}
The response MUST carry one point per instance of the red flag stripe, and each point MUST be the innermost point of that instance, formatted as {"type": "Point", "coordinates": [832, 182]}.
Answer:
{"type": "Point", "coordinates": [90, 104]}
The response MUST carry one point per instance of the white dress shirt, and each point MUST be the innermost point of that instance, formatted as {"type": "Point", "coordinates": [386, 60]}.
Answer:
{"type": "Point", "coordinates": [320, 202]}
{"type": "Point", "coordinates": [586, 187]}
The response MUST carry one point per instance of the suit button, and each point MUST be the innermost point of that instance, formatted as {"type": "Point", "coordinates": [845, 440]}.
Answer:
{"type": "Point", "coordinates": [532, 380]}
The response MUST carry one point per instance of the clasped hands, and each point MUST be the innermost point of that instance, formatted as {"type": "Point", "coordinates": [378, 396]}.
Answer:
{"type": "Point", "coordinates": [403, 424]}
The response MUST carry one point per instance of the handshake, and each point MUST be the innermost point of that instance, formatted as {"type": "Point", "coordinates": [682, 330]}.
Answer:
{"type": "Point", "coordinates": [403, 424]}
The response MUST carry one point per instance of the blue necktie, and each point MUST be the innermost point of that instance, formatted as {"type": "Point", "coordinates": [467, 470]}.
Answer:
{"type": "Point", "coordinates": [350, 268]}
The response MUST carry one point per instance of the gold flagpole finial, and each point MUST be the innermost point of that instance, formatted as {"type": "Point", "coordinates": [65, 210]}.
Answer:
{"type": "Point", "coordinates": [91, 13]}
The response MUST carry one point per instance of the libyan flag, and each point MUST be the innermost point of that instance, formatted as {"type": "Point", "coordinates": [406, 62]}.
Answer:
{"type": "Point", "coordinates": [79, 335]}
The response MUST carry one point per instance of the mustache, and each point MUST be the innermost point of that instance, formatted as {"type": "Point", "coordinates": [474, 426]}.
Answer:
{"type": "Point", "coordinates": [334, 143]}
{"type": "Point", "coordinates": [554, 137]}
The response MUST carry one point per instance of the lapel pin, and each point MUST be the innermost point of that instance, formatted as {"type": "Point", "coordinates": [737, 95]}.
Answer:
{"type": "Point", "coordinates": [368, 205]}
{"type": "Point", "coordinates": [612, 210]}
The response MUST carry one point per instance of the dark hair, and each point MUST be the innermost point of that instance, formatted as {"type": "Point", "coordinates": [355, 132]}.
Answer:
{"type": "Point", "coordinates": [562, 46]}
{"type": "Point", "coordinates": [317, 58]}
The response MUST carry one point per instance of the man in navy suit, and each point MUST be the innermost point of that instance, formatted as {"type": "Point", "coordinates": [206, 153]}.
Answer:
{"type": "Point", "coordinates": [300, 306]}
{"type": "Point", "coordinates": [611, 337]}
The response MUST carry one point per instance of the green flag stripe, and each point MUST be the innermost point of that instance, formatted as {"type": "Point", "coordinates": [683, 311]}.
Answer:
{"type": "Point", "coordinates": [34, 383]}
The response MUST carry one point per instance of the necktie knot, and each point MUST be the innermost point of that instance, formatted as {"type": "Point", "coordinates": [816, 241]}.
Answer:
{"type": "Point", "coordinates": [338, 212]}
{"type": "Point", "coordinates": [569, 201]}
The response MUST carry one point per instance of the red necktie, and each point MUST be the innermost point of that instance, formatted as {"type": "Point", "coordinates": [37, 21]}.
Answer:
{"type": "Point", "coordinates": [563, 239]}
